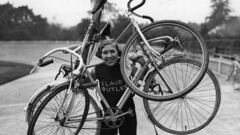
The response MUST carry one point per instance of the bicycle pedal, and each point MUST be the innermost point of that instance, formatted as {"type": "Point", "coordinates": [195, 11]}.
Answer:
{"type": "Point", "coordinates": [130, 112]}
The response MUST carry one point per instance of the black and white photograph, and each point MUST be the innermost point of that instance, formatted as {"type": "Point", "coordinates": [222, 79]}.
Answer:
{"type": "Point", "coordinates": [119, 67]}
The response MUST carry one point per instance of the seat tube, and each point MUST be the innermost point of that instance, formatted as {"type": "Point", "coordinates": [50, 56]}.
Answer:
{"type": "Point", "coordinates": [128, 91]}
{"type": "Point", "coordinates": [124, 98]}
{"type": "Point", "coordinates": [92, 29]}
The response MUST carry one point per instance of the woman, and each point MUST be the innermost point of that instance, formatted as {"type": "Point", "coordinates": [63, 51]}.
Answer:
{"type": "Point", "coordinates": [113, 86]}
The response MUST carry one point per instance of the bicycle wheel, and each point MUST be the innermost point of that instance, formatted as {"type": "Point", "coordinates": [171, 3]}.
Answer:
{"type": "Point", "coordinates": [189, 113]}
{"type": "Point", "coordinates": [36, 103]}
{"type": "Point", "coordinates": [188, 44]}
{"type": "Point", "coordinates": [92, 124]}
{"type": "Point", "coordinates": [50, 117]}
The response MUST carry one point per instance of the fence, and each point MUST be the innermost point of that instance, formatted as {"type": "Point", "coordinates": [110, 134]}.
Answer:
{"type": "Point", "coordinates": [221, 64]}
{"type": "Point", "coordinates": [221, 51]}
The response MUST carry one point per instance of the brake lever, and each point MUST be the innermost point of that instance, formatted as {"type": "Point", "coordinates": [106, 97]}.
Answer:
{"type": "Point", "coordinates": [57, 75]}
{"type": "Point", "coordinates": [59, 71]}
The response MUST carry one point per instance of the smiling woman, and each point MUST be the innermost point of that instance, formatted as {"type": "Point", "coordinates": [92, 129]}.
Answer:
{"type": "Point", "coordinates": [10, 71]}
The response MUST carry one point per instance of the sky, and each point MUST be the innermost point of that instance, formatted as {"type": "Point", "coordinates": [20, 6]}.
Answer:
{"type": "Point", "coordinates": [70, 12]}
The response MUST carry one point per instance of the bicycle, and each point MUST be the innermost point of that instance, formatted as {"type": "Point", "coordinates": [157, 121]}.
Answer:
{"type": "Point", "coordinates": [210, 96]}
{"type": "Point", "coordinates": [154, 48]}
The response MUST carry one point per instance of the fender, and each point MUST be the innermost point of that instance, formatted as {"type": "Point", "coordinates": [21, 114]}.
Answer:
{"type": "Point", "coordinates": [49, 85]}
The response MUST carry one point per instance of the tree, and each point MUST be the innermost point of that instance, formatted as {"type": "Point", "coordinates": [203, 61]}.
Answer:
{"type": "Point", "coordinates": [111, 14]}
{"type": "Point", "coordinates": [21, 24]}
{"type": "Point", "coordinates": [231, 28]}
{"type": "Point", "coordinates": [219, 15]}
{"type": "Point", "coordinates": [111, 11]}
{"type": "Point", "coordinates": [119, 24]}
{"type": "Point", "coordinates": [4, 20]}
{"type": "Point", "coordinates": [82, 28]}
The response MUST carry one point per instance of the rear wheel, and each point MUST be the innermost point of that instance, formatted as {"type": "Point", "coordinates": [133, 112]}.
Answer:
{"type": "Point", "coordinates": [52, 117]}
{"type": "Point", "coordinates": [185, 42]}
{"type": "Point", "coordinates": [189, 113]}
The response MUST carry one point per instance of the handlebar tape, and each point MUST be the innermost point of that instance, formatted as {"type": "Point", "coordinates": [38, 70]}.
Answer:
{"type": "Point", "coordinates": [42, 64]}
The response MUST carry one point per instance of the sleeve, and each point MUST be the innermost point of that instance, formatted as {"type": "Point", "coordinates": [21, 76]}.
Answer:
{"type": "Point", "coordinates": [93, 74]}
{"type": "Point", "coordinates": [128, 67]}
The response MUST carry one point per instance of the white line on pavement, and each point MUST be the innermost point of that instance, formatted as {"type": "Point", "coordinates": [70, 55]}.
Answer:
{"type": "Point", "coordinates": [13, 105]}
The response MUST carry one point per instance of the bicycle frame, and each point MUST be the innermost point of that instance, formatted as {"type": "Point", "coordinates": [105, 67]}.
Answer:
{"type": "Point", "coordinates": [84, 60]}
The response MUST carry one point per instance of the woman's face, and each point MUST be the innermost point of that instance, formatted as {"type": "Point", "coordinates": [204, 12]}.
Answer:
{"type": "Point", "coordinates": [109, 54]}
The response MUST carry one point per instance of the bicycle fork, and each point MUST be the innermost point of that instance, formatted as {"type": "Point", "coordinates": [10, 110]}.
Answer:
{"type": "Point", "coordinates": [69, 107]}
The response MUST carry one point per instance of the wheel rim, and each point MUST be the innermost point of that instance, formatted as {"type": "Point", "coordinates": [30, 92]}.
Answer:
{"type": "Point", "coordinates": [189, 113]}
{"type": "Point", "coordinates": [201, 46]}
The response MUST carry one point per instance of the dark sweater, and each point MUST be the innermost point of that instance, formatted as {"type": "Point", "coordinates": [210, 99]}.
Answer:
{"type": "Point", "coordinates": [112, 84]}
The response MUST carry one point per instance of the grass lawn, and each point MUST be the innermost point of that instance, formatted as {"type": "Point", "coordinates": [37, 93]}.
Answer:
{"type": "Point", "coordinates": [10, 71]}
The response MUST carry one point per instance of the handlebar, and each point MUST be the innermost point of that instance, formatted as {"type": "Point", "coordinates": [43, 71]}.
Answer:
{"type": "Point", "coordinates": [131, 9]}
{"type": "Point", "coordinates": [41, 62]}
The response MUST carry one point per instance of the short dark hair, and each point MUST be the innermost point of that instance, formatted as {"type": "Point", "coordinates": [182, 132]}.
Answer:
{"type": "Point", "coordinates": [105, 43]}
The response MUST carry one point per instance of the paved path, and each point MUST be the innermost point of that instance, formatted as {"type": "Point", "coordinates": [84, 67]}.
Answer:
{"type": "Point", "coordinates": [15, 95]}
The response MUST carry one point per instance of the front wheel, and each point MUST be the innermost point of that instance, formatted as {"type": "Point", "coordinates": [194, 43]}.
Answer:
{"type": "Point", "coordinates": [187, 114]}
{"type": "Point", "coordinates": [169, 38]}
{"type": "Point", "coordinates": [52, 116]}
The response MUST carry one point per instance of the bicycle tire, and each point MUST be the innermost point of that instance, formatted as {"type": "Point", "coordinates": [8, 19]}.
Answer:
{"type": "Point", "coordinates": [176, 29]}
{"type": "Point", "coordinates": [54, 96]}
{"type": "Point", "coordinates": [93, 105]}
{"type": "Point", "coordinates": [91, 126]}
{"type": "Point", "coordinates": [36, 102]}
{"type": "Point", "coordinates": [204, 99]}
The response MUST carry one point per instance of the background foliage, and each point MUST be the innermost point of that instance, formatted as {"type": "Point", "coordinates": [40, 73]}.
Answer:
{"type": "Point", "coordinates": [220, 29]}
